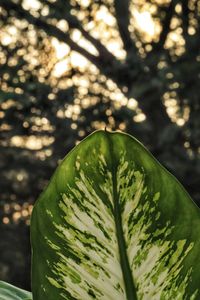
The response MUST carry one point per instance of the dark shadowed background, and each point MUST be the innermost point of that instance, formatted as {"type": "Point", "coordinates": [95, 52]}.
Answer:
{"type": "Point", "coordinates": [70, 67]}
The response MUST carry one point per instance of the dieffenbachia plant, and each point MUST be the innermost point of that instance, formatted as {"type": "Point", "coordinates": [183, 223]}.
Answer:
{"type": "Point", "coordinates": [10, 292]}
{"type": "Point", "coordinates": [114, 224]}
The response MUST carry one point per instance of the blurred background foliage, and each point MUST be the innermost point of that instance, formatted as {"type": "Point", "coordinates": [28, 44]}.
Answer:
{"type": "Point", "coordinates": [68, 67]}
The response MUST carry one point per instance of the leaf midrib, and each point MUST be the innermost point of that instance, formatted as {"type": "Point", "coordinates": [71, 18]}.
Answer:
{"type": "Point", "coordinates": [126, 270]}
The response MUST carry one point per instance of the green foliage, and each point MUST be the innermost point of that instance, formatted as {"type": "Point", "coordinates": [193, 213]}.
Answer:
{"type": "Point", "coordinates": [10, 292]}
{"type": "Point", "coordinates": [161, 72]}
{"type": "Point", "coordinates": [113, 223]}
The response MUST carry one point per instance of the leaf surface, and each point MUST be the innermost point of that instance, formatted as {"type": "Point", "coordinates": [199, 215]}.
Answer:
{"type": "Point", "coordinates": [114, 224]}
{"type": "Point", "coordinates": [10, 292]}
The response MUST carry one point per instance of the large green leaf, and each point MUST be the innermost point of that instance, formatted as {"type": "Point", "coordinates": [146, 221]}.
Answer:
{"type": "Point", "coordinates": [10, 292]}
{"type": "Point", "coordinates": [114, 224]}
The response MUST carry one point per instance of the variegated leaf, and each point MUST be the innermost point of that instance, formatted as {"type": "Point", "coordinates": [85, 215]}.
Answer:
{"type": "Point", "coordinates": [10, 292]}
{"type": "Point", "coordinates": [114, 224]}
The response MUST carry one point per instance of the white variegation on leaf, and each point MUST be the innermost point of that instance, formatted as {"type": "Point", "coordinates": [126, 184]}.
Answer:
{"type": "Point", "coordinates": [114, 224]}
{"type": "Point", "coordinates": [10, 292]}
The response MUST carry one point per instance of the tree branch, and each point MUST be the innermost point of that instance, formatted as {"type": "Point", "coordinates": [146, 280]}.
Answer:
{"type": "Point", "coordinates": [165, 26]}
{"type": "Point", "coordinates": [185, 19]}
{"type": "Point", "coordinates": [123, 21]}
{"type": "Point", "coordinates": [59, 34]}
{"type": "Point", "coordinates": [73, 22]}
